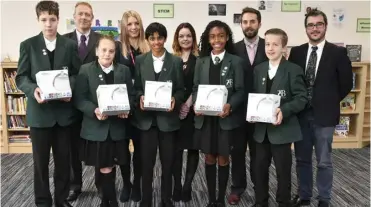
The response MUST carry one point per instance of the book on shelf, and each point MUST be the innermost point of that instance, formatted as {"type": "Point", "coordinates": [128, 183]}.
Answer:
{"type": "Point", "coordinates": [16, 105]}
{"type": "Point", "coordinates": [354, 81]}
{"type": "Point", "coordinates": [348, 103]}
{"type": "Point", "coordinates": [342, 129]}
{"type": "Point", "coordinates": [9, 82]}
{"type": "Point", "coordinates": [20, 138]}
{"type": "Point", "coordinates": [17, 122]}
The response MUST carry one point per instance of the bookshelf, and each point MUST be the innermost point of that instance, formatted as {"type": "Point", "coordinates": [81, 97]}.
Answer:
{"type": "Point", "coordinates": [359, 127]}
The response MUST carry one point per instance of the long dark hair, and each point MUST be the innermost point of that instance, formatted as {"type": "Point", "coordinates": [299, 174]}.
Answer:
{"type": "Point", "coordinates": [204, 45]}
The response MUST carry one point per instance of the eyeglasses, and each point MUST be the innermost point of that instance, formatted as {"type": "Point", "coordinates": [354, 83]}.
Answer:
{"type": "Point", "coordinates": [319, 25]}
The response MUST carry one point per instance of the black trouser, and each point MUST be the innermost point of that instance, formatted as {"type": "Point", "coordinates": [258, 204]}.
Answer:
{"type": "Point", "coordinates": [76, 166]}
{"type": "Point", "coordinates": [282, 158]}
{"type": "Point", "coordinates": [243, 136]}
{"type": "Point", "coordinates": [150, 141]}
{"type": "Point", "coordinates": [57, 138]}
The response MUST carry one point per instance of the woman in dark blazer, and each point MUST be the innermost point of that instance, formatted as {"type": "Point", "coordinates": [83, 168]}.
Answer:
{"type": "Point", "coordinates": [185, 46]}
{"type": "Point", "coordinates": [131, 44]}
{"type": "Point", "coordinates": [281, 77]}
{"type": "Point", "coordinates": [157, 129]}
{"type": "Point", "coordinates": [105, 143]}
{"type": "Point", "coordinates": [218, 66]}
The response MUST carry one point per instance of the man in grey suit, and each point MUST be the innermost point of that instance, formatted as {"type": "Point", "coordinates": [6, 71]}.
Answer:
{"type": "Point", "coordinates": [86, 40]}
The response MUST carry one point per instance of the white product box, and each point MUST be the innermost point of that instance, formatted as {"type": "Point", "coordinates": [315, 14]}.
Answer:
{"type": "Point", "coordinates": [211, 99]}
{"type": "Point", "coordinates": [157, 95]}
{"type": "Point", "coordinates": [54, 84]}
{"type": "Point", "coordinates": [262, 107]}
{"type": "Point", "coordinates": [113, 99]}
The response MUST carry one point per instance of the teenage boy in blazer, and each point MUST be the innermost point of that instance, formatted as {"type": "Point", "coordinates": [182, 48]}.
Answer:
{"type": "Point", "coordinates": [251, 50]}
{"type": "Point", "coordinates": [157, 129]}
{"type": "Point", "coordinates": [281, 77]}
{"type": "Point", "coordinates": [86, 40]}
{"type": "Point", "coordinates": [50, 121]}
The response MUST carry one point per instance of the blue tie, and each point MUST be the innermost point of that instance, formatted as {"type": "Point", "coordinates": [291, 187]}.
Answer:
{"type": "Point", "coordinates": [83, 49]}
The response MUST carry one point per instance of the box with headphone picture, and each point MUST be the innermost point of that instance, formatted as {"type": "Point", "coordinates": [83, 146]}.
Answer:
{"type": "Point", "coordinates": [113, 99]}
{"type": "Point", "coordinates": [157, 95]}
{"type": "Point", "coordinates": [262, 107]}
{"type": "Point", "coordinates": [54, 84]}
{"type": "Point", "coordinates": [211, 99]}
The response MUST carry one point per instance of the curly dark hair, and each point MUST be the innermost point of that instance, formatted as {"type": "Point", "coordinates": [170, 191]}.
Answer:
{"type": "Point", "coordinates": [204, 45]}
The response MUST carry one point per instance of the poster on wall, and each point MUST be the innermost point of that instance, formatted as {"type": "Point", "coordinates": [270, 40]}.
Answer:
{"type": "Point", "coordinates": [70, 25]}
{"type": "Point", "coordinates": [290, 5]}
{"type": "Point", "coordinates": [363, 25]}
{"type": "Point", "coordinates": [354, 52]}
{"type": "Point", "coordinates": [163, 10]}
{"type": "Point", "coordinates": [217, 9]}
{"type": "Point", "coordinates": [106, 28]}
{"type": "Point", "coordinates": [236, 18]}
{"type": "Point", "coordinates": [265, 5]}
{"type": "Point", "coordinates": [338, 16]}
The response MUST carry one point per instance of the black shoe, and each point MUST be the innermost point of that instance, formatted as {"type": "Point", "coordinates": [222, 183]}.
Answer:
{"type": "Point", "coordinates": [297, 201]}
{"type": "Point", "coordinates": [113, 204]}
{"type": "Point", "coordinates": [323, 204]}
{"type": "Point", "coordinates": [177, 194]}
{"type": "Point", "coordinates": [186, 195]}
{"type": "Point", "coordinates": [259, 205]}
{"type": "Point", "coordinates": [220, 204]}
{"type": "Point", "coordinates": [64, 204]}
{"type": "Point", "coordinates": [73, 195]}
{"type": "Point", "coordinates": [211, 205]}
{"type": "Point", "coordinates": [104, 203]}
{"type": "Point", "coordinates": [125, 194]}
{"type": "Point", "coordinates": [166, 203]}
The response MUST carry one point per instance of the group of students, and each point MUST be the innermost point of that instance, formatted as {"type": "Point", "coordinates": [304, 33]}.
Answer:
{"type": "Point", "coordinates": [251, 65]}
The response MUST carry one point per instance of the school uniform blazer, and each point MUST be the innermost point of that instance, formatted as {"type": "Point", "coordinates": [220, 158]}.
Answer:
{"type": "Point", "coordinates": [92, 42]}
{"type": "Point", "coordinates": [90, 77]}
{"type": "Point", "coordinates": [233, 79]}
{"type": "Point", "coordinates": [172, 70]}
{"type": "Point", "coordinates": [31, 61]}
{"type": "Point", "coordinates": [289, 84]}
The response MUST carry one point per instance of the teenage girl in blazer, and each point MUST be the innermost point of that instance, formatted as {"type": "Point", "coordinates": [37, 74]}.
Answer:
{"type": "Point", "coordinates": [218, 66]}
{"type": "Point", "coordinates": [105, 143]}
{"type": "Point", "coordinates": [185, 46]}
{"type": "Point", "coordinates": [132, 43]}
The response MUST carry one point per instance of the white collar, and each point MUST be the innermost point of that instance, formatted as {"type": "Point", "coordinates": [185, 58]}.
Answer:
{"type": "Point", "coordinates": [107, 70]}
{"type": "Point", "coordinates": [50, 45]}
{"type": "Point", "coordinates": [320, 46]}
{"type": "Point", "coordinates": [79, 35]}
{"type": "Point", "coordinates": [221, 56]}
{"type": "Point", "coordinates": [159, 58]}
{"type": "Point", "coordinates": [272, 70]}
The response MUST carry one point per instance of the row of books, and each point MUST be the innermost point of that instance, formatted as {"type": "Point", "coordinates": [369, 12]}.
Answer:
{"type": "Point", "coordinates": [342, 129]}
{"type": "Point", "coordinates": [16, 105]}
{"type": "Point", "coordinates": [20, 138]}
{"type": "Point", "coordinates": [15, 122]}
{"type": "Point", "coordinates": [9, 82]}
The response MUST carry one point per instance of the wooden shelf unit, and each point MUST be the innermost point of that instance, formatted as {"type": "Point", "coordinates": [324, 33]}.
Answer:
{"type": "Point", "coordinates": [359, 135]}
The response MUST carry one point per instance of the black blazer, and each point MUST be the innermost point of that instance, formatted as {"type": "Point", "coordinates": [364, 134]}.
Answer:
{"type": "Point", "coordinates": [260, 57]}
{"type": "Point", "coordinates": [289, 84]}
{"type": "Point", "coordinates": [232, 66]}
{"type": "Point", "coordinates": [188, 76]}
{"type": "Point", "coordinates": [171, 71]}
{"type": "Point", "coordinates": [93, 39]}
{"type": "Point", "coordinates": [31, 61]}
{"type": "Point", "coordinates": [124, 59]}
{"type": "Point", "coordinates": [333, 81]}
{"type": "Point", "coordinates": [86, 101]}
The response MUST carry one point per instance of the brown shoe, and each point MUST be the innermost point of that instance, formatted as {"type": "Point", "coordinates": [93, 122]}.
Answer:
{"type": "Point", "coordinates": [233, 199]}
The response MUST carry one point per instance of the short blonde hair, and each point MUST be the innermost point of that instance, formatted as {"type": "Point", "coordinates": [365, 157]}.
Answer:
{"type": "Point", "coordinates": [84, 3]}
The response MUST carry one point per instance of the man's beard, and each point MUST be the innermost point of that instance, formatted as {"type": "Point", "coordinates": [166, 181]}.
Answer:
{"type": "Point", "coordinates": [249, 35]}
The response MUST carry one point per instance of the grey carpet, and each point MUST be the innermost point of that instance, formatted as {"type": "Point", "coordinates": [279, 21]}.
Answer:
{"type": "Point", "coordinates": [351, 186]}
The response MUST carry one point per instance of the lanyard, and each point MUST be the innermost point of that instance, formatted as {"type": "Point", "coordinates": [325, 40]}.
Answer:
{"type": "Point", "coordinates": [132, 57]}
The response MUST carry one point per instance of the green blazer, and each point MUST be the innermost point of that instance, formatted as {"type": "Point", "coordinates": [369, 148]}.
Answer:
{"type": "Point", "coordinates": [172, 70]}
{"type": "Point", "coordinates": [289, 84]}
{"type": "Point", "coordinates": [86, 101]}
{"type": "Point", "coordinates": [32, 60]}
{"type": "Point", "coordinates": [232, 66]}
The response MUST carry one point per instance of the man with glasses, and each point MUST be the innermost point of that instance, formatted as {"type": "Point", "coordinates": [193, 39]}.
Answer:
{"type": "Point", "coordinates": [328, 74]}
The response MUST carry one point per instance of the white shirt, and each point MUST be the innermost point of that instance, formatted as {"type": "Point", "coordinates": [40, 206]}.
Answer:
{"type": "Point", "coordinates": [107, 70]}
{"type": "Point", "coordinates": [158, 62]}
{"type": "Point", "coordinates": [319, 53]}
{"type": "Point", "coordinates": [272, 71]}
{"type": "Point", "coordinates": [221, 56]}
{"type": "Point", "coordinates": [79, 37]}
{"type": "Point", "coordinates": [50, 45]}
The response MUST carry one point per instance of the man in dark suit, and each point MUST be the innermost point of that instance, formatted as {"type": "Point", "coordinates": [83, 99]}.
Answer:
{"type": "Point", "coordinates": [86, 41]}
{"type": "Point", "coordinates": [51, 122]}
{"type": "Point", "coordinates": [329, 79]}
{"type": "Point", "coordinates": [251, 50]}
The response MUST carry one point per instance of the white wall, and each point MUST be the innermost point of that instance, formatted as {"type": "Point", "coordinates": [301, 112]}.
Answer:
{"type": "Point", "coordinates": [18, 20]}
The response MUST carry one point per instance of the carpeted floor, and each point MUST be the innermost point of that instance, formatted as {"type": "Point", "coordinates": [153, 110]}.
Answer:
{"type": "Point", "coordinates": [351, 185]}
